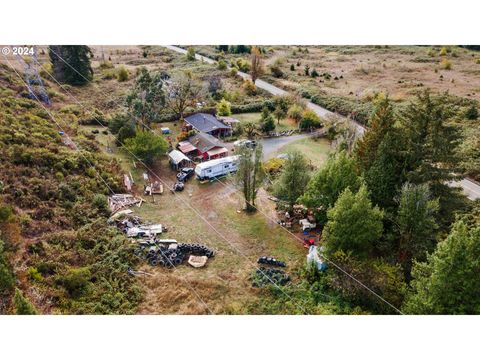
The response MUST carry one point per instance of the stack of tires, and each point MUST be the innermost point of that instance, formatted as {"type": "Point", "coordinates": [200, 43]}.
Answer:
{"type": "Point", "coordinates": [267, 260]}
{"type": "Point", "coordinates": [160, 255]}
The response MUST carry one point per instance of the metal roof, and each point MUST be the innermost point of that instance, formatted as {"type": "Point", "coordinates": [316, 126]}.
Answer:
{"type": "Point", "coordinates": [177, 156]}
{"type": "Point", "coordinates": [205, 122]}
{"type": "Point", "coordinates": [205, 142]}
{"type": "Point", "coordinates": [207, 164]}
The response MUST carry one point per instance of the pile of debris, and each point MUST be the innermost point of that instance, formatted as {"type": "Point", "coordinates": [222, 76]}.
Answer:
{"type": "Point", "coordinates": [168, 253]}
{"type": "Point", "coordinates": [154, 188]}
{"type": "Point", "coordinates": [267, 275]}
{"type": "Point", "coordinates": [117, 202]}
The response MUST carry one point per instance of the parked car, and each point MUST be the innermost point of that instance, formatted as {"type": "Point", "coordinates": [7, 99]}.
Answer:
{"type": "Point", "coordinates": [178, 186]}
{"type": "Point", "coordinates": [245, 142]}
{"type": "Point", "coordinates": [185, 174]}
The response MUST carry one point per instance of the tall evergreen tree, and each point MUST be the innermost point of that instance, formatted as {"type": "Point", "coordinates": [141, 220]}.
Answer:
{"type": "Point", "coordinates": [416, 224]}
{"type": "Point", "coordinates": [71, 63]}
{"type": "Point", "coordinates": [430, 149]}
{"type": "Point", "coordinates": [146, 99]}
{"type": "Point", "coordinates": [430, 139]}
{"type": "Point", "coordinates": [22, 305]}
{"type": "Point", "coordinates": [385, 172]}
{"type": "Point", "coordinates": [267, 123]}
{"type": "Point", "coordinates": [448, 282]}
{"type": "Point", "coordinates": [353, 224]}
{"type": "Point", "coordinates": [380, 124]}
{"type": "Point", "coordinates": [329, 182]}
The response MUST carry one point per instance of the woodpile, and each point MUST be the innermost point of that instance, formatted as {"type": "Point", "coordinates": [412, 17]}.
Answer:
{"type": "Point", "coordinates": [118, 202]}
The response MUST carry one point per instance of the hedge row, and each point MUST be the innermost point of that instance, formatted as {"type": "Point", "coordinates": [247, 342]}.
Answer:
{"type": "Point", "coordinates": [236, 109]}
{"type": "Point", "coordinates": [361, 111]}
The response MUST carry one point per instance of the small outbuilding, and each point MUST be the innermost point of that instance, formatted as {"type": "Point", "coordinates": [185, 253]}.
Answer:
{"type": "Point", "coordinates": [178, 159]}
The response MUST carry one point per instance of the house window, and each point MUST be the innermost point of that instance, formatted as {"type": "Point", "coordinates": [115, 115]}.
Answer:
{"type": "Point", "coordinates": [209, 170]}
{"type": "Point", "coordinates": [226, 166]}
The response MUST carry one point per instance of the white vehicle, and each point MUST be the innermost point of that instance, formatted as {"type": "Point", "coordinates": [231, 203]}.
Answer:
{"type": "Point", "coordinates": [145, 230]}
{"type": "Point", "coordinates": [307, 225]}
{"type": "Point", "coordinates": [245, 142]}
{"type": "Point", "coordinates": [216, 168]}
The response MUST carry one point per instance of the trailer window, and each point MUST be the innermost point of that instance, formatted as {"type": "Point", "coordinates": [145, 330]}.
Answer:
{"type": "Point", "coordinates": [226, 166]}
{"type": "Point", "coordinates": [209, 170]}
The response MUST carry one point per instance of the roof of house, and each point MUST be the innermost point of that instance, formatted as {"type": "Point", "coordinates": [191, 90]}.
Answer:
{"type": "Point", "coordinates": [217, 151]}
{"type": "Point", "coordinates": [205, 142]}
{"type": "Point", "coordinates": [205, 122]}
{"type": "Point", "coordinates": [186, 147]}
{"type": "Point", "coordinates": [177, 157]}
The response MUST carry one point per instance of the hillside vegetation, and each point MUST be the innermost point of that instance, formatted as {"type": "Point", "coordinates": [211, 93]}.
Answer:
{"type": "Point", "coordinates": [55, 246]}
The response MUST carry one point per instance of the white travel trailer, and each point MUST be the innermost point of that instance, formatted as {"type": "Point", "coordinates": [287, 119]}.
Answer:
{"type": "Point", "coordinates": [216, 168]}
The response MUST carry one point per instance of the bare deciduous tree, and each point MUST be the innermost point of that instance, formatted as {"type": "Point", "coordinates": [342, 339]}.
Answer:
{"type": "Point", "coordinates": [256, 66]}
{"type": "Point", "coordinates": [183, 91]}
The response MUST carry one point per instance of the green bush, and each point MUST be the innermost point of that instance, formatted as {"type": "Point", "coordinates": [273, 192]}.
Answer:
{"type": "Point", "coordinates": [76, 281]}
{"type": "Point", "coordinates": [6, 213]}
{"type": "Point", "coordinates": [125, 132]}
{"type": "Point", "coordinates": [222, 65]}
{"type": "Point", "coordinates": [122, 74]}
{"type": "Point", "coordinates": [295, 112]}
{"type": "Point", "coordinates": [310, 120]}
{"type": "Point", "coordinates": [472, 112]}
{"type": "Point", "coordinates": [7, 279]}
{"type": "Point", "coordinates": [446, 64]}
{"type": "Point", "coordinates": [224, 108]}
{"type": "Point", "coordinates": [146, 146]}
{"type": "Point", "coordinates": [250, 88]}
{"type": "Point", "coordinates": [34, 274]}
{"type": "Point", "coordinates": [22, 305]}
{"type": "Point", "coordinates": [117, 121]}
{"type": "Point", "coordinates": [190, 54]}
{"type": "Point", "coordinates": [99, 201]}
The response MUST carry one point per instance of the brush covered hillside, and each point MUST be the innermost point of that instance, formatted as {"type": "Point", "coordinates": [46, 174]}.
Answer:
{"type": "Point", "coordinates": [56, 253]}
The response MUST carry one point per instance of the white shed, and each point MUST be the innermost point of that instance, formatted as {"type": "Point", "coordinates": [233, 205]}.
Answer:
{"type": "Point", "coordinates": [178, 159]}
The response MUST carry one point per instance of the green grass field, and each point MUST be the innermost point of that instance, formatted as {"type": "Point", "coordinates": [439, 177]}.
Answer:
{"type": "Point", "coordinates": [316, 150]}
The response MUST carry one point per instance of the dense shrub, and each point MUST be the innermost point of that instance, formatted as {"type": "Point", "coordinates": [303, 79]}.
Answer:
{"type": "Point", "coordinates": [224, 108]}
{"type": "Point", "coordinates": [122, 74]}
{"type": "Point", "coordinates": [76, 281]}
{"type": "Point", "coordinates": [125, 132]}
{"type": "Point", "coordinates": [309, 120]}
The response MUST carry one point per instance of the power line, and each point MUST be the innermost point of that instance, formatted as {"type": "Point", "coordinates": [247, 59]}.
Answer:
{"type": "Point", "coordinates": [176, 194]}
{"type": "Point", "coordinates": [76, 147]}
{"type": "Point", "coordinates": [285, 229]}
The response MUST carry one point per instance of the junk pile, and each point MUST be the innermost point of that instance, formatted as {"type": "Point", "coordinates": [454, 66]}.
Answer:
{"type": "Point", "coordinates": [117, 202]}
{"type": "Point", "coordinates": [154, 188]}
{"type": "Point", "coordinates": [168, 253]}
{"type": "Point", "coordinates": [268, 275]}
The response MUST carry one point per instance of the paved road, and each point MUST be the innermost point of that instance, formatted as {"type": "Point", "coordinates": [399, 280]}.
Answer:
{"type": "Point", "coordinates": [272, 145]}
{"type": "Point", "coordinates": [470, 188]}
